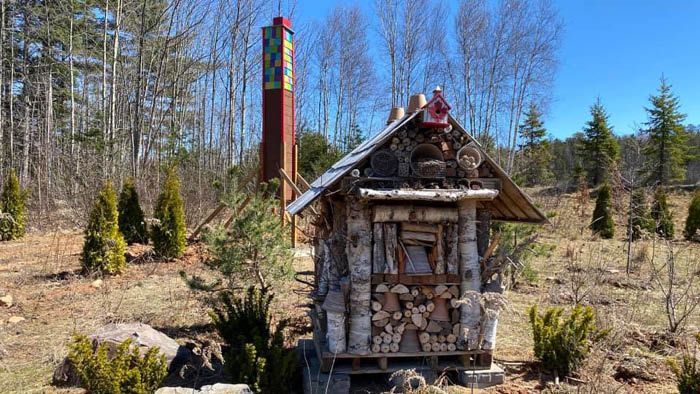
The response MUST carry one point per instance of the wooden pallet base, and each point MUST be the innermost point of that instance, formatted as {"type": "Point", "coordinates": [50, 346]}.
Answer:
{"type": "Point", "coordinates": [381, 362]}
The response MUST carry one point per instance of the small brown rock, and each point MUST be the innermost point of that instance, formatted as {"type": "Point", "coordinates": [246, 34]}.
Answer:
{"type": "Point", "coordinates": [6, 300]}
{"type": "Point", "coordinates": [15, 319]}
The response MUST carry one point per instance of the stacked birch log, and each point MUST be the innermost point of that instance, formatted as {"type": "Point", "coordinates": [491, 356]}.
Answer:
{"type": "Point", "coordinates": [432, 311]}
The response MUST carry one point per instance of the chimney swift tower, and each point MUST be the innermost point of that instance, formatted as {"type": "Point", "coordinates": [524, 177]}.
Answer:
{"type": "Point", "coordinates": [278, 140]}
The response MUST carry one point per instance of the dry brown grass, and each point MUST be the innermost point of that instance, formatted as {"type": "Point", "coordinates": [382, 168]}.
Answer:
{"type": "Point", "coordinates": [42, 273]}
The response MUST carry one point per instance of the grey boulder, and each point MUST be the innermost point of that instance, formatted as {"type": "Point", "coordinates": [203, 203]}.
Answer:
{"type": "Point", "coordinates": [219, 388]}
{"type": "Point", "coordinates": [142, 335]}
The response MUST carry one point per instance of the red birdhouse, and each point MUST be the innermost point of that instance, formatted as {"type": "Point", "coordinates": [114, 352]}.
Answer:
{"type": "Point", "coordinates": [435, 112]}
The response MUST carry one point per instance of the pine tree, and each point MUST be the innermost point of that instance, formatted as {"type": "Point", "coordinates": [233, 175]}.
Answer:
{"type": "Point", "coordinates": [103, 250]}
{"type": "Point", "coordinates": [666, 150]}
{"type": "Point", "coordinates": [692, 222]}
{"type": "Point", "coordinates": [169, 231]}
{"type": "Point", "coordinates": [639, 219]}
{"type": "Point", "coordinates": [602, 222]}
{"type": "Point", "coordinates": [131, 220]}
{"type": "Point", "coordinates": [599, 148]}
{"type": "Point", "coordinates": [12, 201]}
{"type": "Point", "coordinates": [663, 220]}
{"type": "Point", "coordinates": [534, 150]}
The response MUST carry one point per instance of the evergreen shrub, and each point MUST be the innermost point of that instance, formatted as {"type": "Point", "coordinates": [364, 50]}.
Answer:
{"type": "Point", "coordinates": [257, 355]}
{"type": "Point", "coordinates": [131, 219]}
{"type": "Point", "coordinates": [639, 219]}
{"type": "Point", "coordinates": [602, 223]}
{"type": "Point", "coordinates": [168, 231]}
{"type": "Point", "coordinates": [12, 201]}
{"type": "Point", "coordinates": [562, 343]}
{"type": "Point", "coordinates": [663, 220]}
{"type": "Point", "coordinates": [692, 222]}
{"type": "Point", "coordinates": [103, 248]}
{"type": "Point", "coordinates": [688, 373]}
{"type": "Point", "coordinates": [124, 372]}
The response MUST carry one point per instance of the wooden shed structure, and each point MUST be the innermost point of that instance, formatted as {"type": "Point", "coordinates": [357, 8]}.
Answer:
{"type": "Point", "coordinates": [402, 235]}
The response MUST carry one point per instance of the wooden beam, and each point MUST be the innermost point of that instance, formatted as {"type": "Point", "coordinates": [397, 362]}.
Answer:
{"type": "Point", "coordinates": [298, 192]}
{"type": "Point", "coordinates": [303, 182]}
{"type": "Point", "coordinates": [409, 213]}
{"type": "Point", "coordinates": [428, 195]}
{"type": "Point", "coordinates": [221, 206]}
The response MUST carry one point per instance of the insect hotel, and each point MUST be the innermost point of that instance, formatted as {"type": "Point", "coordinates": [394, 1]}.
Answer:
{"type": "Point", "coordinates": [402, 261]}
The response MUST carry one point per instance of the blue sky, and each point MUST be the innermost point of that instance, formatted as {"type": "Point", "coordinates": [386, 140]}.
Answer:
{"type": "Point", "coordinates": [615, 49]}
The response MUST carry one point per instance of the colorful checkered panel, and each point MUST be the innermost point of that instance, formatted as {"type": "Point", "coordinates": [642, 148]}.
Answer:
{"type": "Point", "coordinates": [278, 49]}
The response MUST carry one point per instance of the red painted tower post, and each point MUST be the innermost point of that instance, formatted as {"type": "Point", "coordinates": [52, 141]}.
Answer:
{"type": "Point", "coordinates": [278, 140]}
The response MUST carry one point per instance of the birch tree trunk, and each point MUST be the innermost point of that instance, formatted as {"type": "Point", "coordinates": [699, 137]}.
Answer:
{"type": "Point", "coordinates": [359, 252]}
{"type": "Point", "coordinates": [336, 332]}
{"type": "Point", "coordinates": [470, 313]}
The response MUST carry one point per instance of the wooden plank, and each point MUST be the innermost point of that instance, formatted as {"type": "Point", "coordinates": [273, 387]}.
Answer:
{"type": "Point", "coordinates": [390, 247]}
{"type": "Point", "coordinates": [426, 237]}
{"type": "Point", "coordinates": [303, 182]}
{"type": "Point", "coordinates": [377, 279]}
{"type": "Point", "coordinates": [513, 194]}
{"type": "Point", "coordinates": [218, 209]}
{"type": "Point", "coordinates": [237, 211]}
{"type": "Point", "coordinates": [420, 227]}
{"type": "Point", "coordinates": [402, 354]}
{"type": "Point", "coordinates": [378, 249]}
{"type": "Point", "coordinates": [514, 207]}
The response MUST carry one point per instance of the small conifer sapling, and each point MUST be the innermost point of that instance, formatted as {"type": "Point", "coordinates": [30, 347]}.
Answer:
{"type": "Point", "coordinates": [602, 222]}
{"type": "Point", "coordinates": [639, 218]}
{"type": "Point", "coordinates": [131, 220]}
{"type": "Point", "coordinates": [169, 231]}
{"type": "Point", "coordinates": [663, 220]}
{"type": "Point", "coordinates": [103, 249]}
{"type": "Point", "coordinates": [692, 222]}
{"type": "Point", "coordinates": [12, 201]}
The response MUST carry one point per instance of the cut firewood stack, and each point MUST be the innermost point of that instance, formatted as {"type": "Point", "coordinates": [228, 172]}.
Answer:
{"type": "Point", "coordinates": [431, 311]}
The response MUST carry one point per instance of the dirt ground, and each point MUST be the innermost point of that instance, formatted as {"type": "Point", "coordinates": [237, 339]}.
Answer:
{"type": "Point", "coordinates": [42, 274]}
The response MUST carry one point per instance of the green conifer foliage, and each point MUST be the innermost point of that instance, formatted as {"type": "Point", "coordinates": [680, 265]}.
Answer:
{"type": "Point", "coordinates": [131, 220]}
{"type": "Point", "coordinates": [602, 222]}
{"type": "Point", "coordinates": [663, 220]}
{"type": "Point", "coordinates": [103, 249]}
{"type": "Point", "coordinates": [561, 344]}
{"type": "Point", "coordinates": [692, 222]}
{"type": "Point", "coordinates": [639, 218]}
{"type": "Point", "coordinates": [12, 202]}
{"type": "Point", "coordinates": [534, 150]}
{"type": "Point", "coordinates": [169, 231]}
{"type": "Point", "coordinates": [599, 148]}
{"type": "Point", "coordinates": [666, 150]}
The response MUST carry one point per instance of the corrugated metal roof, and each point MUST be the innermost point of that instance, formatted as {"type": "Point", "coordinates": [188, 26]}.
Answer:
{"type": "Point", "coordinates": [512, 204]}
{"type": "Point", "coordinates": [346, 164]}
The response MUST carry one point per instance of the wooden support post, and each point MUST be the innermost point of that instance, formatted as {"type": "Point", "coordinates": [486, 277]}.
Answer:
{"type": "Point", "coordinates": [469, 271]}
{"type": "Point", "coordinates": [356, 364]}
{"type": "Point", "coordinates": [295, 194]}
{"type": "Point", "coordinates": [283, 189]}
{"type": "Point", "coordinates": [383, 363]}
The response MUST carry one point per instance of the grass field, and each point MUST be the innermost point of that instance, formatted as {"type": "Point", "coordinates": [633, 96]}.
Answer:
{"type": "Point", "coordinates": [42, 273]}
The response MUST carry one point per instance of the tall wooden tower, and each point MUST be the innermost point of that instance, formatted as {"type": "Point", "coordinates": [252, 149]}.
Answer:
{"type": "Point", "coordinates": [278, 141]}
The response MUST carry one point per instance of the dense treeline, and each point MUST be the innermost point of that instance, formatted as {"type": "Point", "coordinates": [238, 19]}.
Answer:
{"type": "Point", "coordinates": [115, 88]}
{"type": "Point", "coordinates": [664, 151]}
